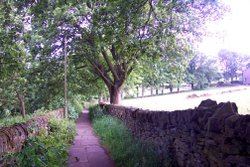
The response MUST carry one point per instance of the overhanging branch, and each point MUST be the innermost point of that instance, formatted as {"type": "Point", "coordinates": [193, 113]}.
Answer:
{"type": "Point", "coordinates": [110, 65]}
{"type": "Point", "coordinates": [101, 73]}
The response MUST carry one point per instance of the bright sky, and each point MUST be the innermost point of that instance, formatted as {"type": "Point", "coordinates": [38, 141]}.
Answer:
{"type": "Point", "coordinates": [232, 32]}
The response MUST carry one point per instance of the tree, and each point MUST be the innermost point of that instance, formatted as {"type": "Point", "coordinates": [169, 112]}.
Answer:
{"type": "Point", "coordinates": [113, 36]}
{"type": "Point", "coordinates": [248, 65]}
{"type": "Point", "coordinates": [30, 77]}
{"type": "Point", "coordinates": [232, 63]}
{"type": "Point", "coordinates": [13, 56]}
{"type": "Point", "coordinates": [201, 72]}
{"type": "Point", "coordinates": [167, 69]}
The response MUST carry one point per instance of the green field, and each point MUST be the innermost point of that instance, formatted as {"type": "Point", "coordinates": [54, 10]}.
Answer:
{"type": "Point", "coordinates": [238, 94]}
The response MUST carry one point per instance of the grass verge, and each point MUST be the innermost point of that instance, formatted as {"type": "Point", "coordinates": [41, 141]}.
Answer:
{"type": "Point", "coordinates": [125, 150]}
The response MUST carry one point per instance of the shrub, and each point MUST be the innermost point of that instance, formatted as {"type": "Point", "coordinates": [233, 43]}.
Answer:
{"type": "Point", "coordinates": [125, 150]}
{"type": "Point", "coordinates": [74, 106]}
{"type": "Point", "coordinates": [4, 113]}
{"type": "Point", "coordinates": [237, 82]}
{"type": "Point", "coordinates": [46, 150]}
{"type": "Point", "coordinates": [9, 121]}
{"type": "Point", "coordinates": [95, 112]}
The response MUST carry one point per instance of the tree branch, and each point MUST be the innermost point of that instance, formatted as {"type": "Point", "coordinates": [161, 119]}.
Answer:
{"type": "Point", "coordinates": [152, 9]}
{"type": "Point", "coordinates": [110, 65]}
{"type": "Point", "coordinates": [113, 52]}
{"type": "Point", "coordinates": [99, 71]}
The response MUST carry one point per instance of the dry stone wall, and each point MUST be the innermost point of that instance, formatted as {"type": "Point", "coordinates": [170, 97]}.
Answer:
{"type": "Point", "coordinates": [12, 138]}
{"type": "Point", "coordinates": [210, 135]}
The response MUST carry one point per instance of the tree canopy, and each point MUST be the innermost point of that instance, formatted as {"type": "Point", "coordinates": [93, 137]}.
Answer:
{"type": "Point", "coordinates": [109, 38]}
{"type": "Point", "coordinates": [232, 63]}
{"type": "Point", "coordinates": [201, 71]}
{"type": "Point", "coordinates": [106, 40]}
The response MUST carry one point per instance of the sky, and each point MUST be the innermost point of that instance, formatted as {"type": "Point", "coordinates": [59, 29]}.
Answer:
{"type": "Point", "coordinates": [232, 32]}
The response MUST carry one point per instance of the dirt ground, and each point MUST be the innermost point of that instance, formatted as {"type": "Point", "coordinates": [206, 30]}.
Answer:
{"type": "Point", "coordinates": [238, 94]}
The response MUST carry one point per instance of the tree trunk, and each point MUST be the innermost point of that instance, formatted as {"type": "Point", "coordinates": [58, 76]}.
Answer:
{"type": "Point", "coordinates": [137, 91]}
{"type": "Point", "coordinates": [192, 86]}
{"type": "Point", "coordinates": [22, 105]}
{"type": "Point", "coordinates": [65, 80]}
{"type": "Point", "coordinates": [171, 88]}
{"type": "Point", "coordinates": [157, 91]}
{"type": "Point", "coordinates": [162, 89]}
{"type": "Point", "coordinates": [115, 94]}
{"type": "Point", "coordinates": [178, 87]}
{"type": "Point", "coordinates": [152, 91]}
{"type": "Point", "coordinates": [142, 91]}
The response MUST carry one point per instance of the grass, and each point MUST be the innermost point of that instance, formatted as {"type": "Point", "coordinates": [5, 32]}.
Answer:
{"type": "Point", "coordinates": [47, 150]}
{"type": "Point", "coordinates": [180, 101]}
{"type": "Point", "coordinates": [125, 150]}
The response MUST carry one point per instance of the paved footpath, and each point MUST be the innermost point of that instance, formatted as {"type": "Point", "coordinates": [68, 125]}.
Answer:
{"type": "Point", "coordinates": [86, 150]}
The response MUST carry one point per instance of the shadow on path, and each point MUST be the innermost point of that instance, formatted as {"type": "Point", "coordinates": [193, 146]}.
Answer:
{"type": "Point", "coordinates": [86, 150]}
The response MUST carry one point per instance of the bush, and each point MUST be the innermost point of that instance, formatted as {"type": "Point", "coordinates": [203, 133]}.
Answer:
{"type": "Point", "coordinates": [95, 112]}
{"type": "Point", "coordinates": [237, 82]}
{"type": "Point", "coordinates": [4, 113]}
{"type": "Point", "coordinates": [46, 150]}
{"type": "Point", "coordinates": [11, 120]}
{"type": "Point", "coordinates": [125, 150]}
{"type": "Point", "coordinates": [74, 106]}
{"type": "Point", "coordinates": [72, 112]}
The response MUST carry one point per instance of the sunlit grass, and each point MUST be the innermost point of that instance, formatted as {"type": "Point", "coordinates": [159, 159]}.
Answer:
{"type": "Point", "coordinates": [181, 101]}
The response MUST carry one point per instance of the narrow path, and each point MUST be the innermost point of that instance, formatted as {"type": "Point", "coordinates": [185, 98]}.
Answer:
{"type": "Point", "coordinates": [86, 150]}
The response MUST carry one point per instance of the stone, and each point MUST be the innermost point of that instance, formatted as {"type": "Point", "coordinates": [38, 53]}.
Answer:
{"type": "Point", "coordinates": [231, 149]}
{"type": "Point", "coordinates": [237, 160]}
{"type": "Point", "coordinates": [230, 125]}
{"type": "Point", "coordinates": [226, 110]}
{"type": "Point", "coordinates": [207, 104]}
{"type": "Point", "coordinates": [12, 138]}
{"type": "Point", "coordinates": [248, 133]}
{"type": "Point", "coordinates": [210, 135]}
{"type": "Point", "coordinates": [214, 125]}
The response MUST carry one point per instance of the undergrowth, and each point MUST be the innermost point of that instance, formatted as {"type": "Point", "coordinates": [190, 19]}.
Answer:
{"type": "Point", "coordinates": [47, 150]}
{"type": "Point", "coordinates": [73, 113]}
{"type": "Point", "coordinates": [9, 121]}
{"type": "Point", "coordinates": [126, 150]}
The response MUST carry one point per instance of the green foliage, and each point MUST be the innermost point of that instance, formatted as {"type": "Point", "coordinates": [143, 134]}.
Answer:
{"type": "Point", "coordinates": [201, 72]}
{"type": "Point", "coordinates": [125, 150]}
{"type": "Point", "coordinates": [31, 44]}
{"type": "Point", "coordinates": [13, 120]}
{"type": "Point", "coordinates": [110, 49]}
{"type": "Point", "coordinates": [62, 129]}
{"type": "Point", "coordinates": [166, 70]}
{"type": "Point", "coordinates": [75, 105]}
{"type": "Point", "coordinates": [46, 150]}
{"type": "Point", "coordinates": [24, 69]}
{"type": "Point", "coordinates": [9, 121]}
{"type": "Point", "coordinates": [95, 112]}
{"type": "Point", "coordinates": [73, 113]}
{"type": "Point", "coordinates": [13, 57]}
{"type": "Point", "coordinates": [231, 63]}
